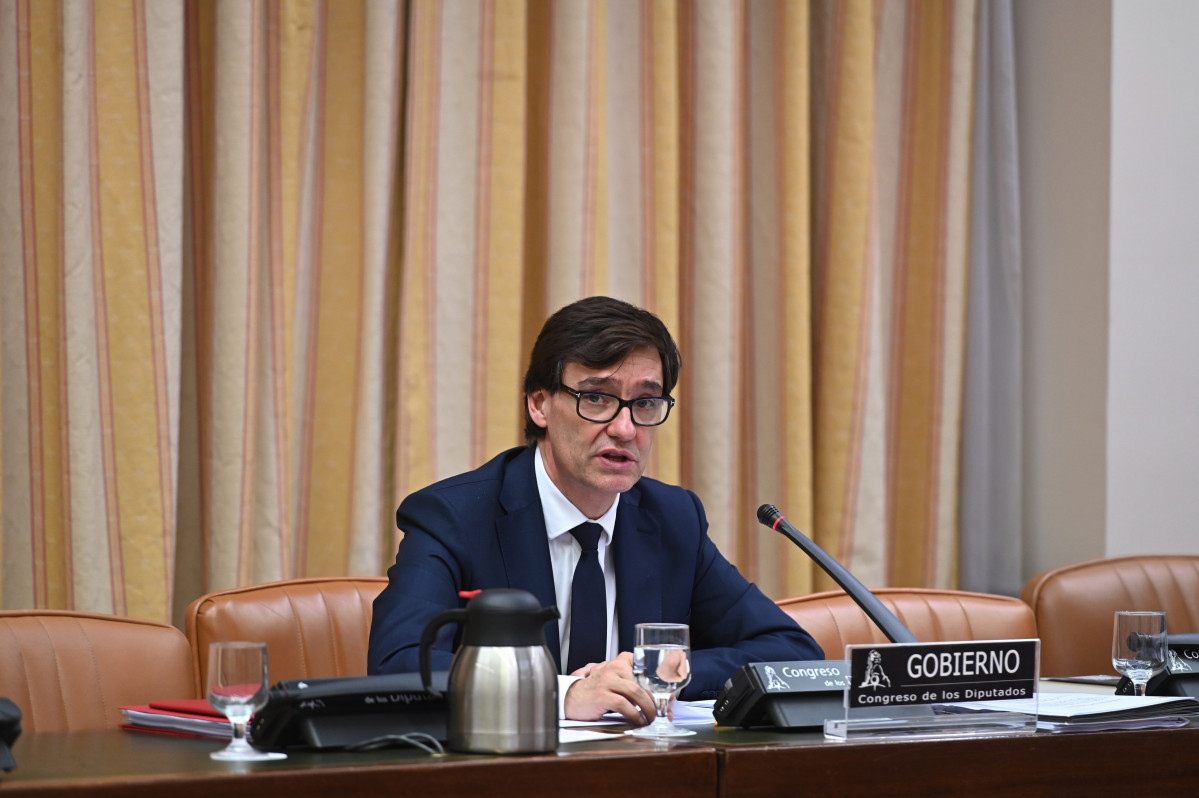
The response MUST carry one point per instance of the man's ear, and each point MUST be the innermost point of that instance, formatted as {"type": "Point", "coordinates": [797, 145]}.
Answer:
{"type": "Point", "coordinates": [536, 403]}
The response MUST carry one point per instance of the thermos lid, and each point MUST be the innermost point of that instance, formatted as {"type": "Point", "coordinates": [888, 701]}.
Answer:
{"type": "Point", "coordinates": [506, 617]}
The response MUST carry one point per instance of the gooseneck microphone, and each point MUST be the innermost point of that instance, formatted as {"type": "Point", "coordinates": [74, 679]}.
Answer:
{"type": "Point", "coordinates": [813, 691]}
{"type": "Point", "coordinates": [891, 626]}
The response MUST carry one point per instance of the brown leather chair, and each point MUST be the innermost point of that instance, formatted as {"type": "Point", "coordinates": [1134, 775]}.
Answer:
{"type": "Point", "coordinates": [835, 620]}
{"type": "Point", "coordinates": [1075, 606]}
{"type": "Point", "coordinates": [73, 671]}
{"type": "Point", "coordinates": [315, 627]}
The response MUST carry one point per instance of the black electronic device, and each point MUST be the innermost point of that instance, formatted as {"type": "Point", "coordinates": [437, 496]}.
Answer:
{"type": "Point", "coordinates": [10, 730]}
{"type": "Point", "coordinates": [1181, 677]}
{"type": "Point", "coordinates": [785, 695]}
{"type": "Point", "coordinates": [353, 712]}
{"type": "Point", "coordinates": [800, 694]}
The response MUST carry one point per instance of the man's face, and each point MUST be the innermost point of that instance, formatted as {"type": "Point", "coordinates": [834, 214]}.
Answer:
{"type": "Point", "coordinates": [591, 463]}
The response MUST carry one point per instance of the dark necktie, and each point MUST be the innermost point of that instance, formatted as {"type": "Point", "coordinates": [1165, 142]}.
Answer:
{"type": "Point", "coordinates": [588, 602]}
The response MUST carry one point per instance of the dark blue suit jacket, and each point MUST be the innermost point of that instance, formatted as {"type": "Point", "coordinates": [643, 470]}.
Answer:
{"type": "Point", "coordinates": [485, 529]}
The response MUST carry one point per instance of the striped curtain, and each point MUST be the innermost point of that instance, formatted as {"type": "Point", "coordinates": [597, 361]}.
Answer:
{"type": "Point", "coordinates": [91, 190]}
{"type": "Point", "coordinates": [269, 266]}
{"type": "Point", "coordinates": [891, 207]}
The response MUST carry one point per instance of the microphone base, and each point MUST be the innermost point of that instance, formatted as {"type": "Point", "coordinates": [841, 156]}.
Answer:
{"type": "Point", "coordinates": [806, 712]}
{"type": "Point", "coordinates": [784, 695]}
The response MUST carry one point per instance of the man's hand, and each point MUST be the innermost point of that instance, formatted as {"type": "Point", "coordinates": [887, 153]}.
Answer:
{"type": "Point", "coordinates": [608, 687]}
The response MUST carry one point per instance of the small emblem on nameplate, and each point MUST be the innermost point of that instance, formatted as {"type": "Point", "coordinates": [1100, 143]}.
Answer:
{"type": "Point", "coordinates": [773, 682]}
{"type": "Point", "coordinates": [875, 676]}
{"type": "Point", "coordinates": [1184, 658]}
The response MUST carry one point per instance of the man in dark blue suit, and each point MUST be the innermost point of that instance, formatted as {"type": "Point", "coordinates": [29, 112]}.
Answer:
{"type": "Point", "coordinates": [512, 523]}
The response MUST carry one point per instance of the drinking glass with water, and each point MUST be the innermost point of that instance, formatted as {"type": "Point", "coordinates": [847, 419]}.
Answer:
{"type": "Point", "coordinates": [662, 666]}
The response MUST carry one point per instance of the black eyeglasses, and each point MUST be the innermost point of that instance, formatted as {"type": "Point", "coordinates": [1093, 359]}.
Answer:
{"type": "Point", "coordinates": [648, 411]}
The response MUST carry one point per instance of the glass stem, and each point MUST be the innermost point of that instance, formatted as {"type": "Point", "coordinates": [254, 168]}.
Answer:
{"type": "Point", "coordinates": [663, 718]}
{"type": "Point", "coordinates": [239, 735]}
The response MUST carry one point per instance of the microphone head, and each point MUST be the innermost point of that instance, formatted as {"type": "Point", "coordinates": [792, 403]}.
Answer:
{"type": "Point", "coordinates": [769, 515]}
{"type": "Point", "coordinates": [1137, 641]}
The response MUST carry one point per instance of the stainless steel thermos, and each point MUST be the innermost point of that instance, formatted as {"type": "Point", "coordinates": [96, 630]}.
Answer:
{"type": "Point", "coordinates": [503, 686]}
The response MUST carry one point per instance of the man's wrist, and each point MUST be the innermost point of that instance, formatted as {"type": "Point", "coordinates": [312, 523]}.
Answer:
{"type": "Point", "coordinates": [564, 684]}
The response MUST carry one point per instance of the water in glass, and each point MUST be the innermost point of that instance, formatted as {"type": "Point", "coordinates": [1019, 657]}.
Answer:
{"type": "Point", "coordinates": [237, 686]}
{"type": "Point", "coordinates": [1139, 646]}
{"type": "Point", "coordinates": [662, 666]}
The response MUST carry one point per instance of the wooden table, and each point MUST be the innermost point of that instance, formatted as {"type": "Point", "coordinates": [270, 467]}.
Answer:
{"type": "Point", "coordinates": [716, 762]}
{"type": "Point", "coordinates": [119, 763]}
{"type": "Point", "coordinates": [1159, 762]}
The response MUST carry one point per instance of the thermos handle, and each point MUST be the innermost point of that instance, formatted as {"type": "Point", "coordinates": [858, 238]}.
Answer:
{"type": "Point", "coordinates": [426, 644]}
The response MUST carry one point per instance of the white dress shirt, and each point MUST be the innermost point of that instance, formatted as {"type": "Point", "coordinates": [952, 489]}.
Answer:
{"type": "Point", "coordinates": [560, 517]}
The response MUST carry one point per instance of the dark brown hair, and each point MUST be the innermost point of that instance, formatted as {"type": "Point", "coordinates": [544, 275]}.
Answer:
{"type": "Point", "coordinates": [597, 332]}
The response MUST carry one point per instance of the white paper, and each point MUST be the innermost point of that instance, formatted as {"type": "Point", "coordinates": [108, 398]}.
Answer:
{"type": "Point", "coordinates": [582, 736]}
{"type": "Point", "coordinates": [611, 719]}
{"type": "Point", "coordinates": [694, 713]}
{"type": "Point", "coordinates": [1067, 705]}
{"type": "Point", "coordinates": [1166, 722]}
{"type": "Point", "coordinates": [685, 713]}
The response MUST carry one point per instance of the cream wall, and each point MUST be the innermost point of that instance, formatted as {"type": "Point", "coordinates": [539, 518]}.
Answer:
{"type": "Point", "coordinates": [1063, 63]}
{"type": "Point", "coordinates": [1109, 126]}
{"type": "Point", "coordinates": [1153, 349]}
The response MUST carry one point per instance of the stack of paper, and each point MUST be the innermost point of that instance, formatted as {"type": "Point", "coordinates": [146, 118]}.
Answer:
{"type": "Point", "coordinates": [188, 717]}
{"type": "Point", "coordinates": [1089, 712]}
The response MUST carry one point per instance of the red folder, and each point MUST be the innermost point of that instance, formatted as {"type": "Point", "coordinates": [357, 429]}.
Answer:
{"type": "Point", "coordinates": [190, 706]}
{"type": "Point", "coordinates": [192, 717]}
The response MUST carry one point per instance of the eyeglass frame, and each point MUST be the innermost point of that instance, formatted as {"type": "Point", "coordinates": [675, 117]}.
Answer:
{"type": "Point", "coordinates": [621, 404]}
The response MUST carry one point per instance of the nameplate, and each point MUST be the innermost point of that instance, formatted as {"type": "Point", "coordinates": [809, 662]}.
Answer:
{"type": "Point", "coordinates": [911, 674]}
{"type": "Point", "coordinates": [1184, 657]}
{"type": "Point", "coordinates": [801, 676]}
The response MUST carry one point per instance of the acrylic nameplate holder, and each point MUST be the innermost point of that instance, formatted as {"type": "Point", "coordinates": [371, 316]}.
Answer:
{"type": "Point", "coordinates": [960, 689]}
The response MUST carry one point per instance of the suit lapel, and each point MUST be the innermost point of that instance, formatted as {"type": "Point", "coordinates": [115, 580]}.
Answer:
{"type": "Point", "coordinates": [523, 543]}
{"type": "Point", "coordinates": [637, 554]}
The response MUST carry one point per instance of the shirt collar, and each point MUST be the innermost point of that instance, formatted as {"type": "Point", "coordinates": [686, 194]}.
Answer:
{"type": "Point", "coordinates": [560, 515]}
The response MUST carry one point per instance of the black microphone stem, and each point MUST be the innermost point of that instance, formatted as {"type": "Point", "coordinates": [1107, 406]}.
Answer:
{"type": "Point", "coordinates": [891, 626]}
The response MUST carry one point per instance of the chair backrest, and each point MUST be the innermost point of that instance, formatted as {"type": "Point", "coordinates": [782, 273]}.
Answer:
{"type": "Point", "coordinates": [835, 620]}
{"type": "Point", "coordinates": [1076, 604]}
{"type": "Point", "coordinates": [72, 671]}
{"type": "Point", "coordinates": [313, 628]}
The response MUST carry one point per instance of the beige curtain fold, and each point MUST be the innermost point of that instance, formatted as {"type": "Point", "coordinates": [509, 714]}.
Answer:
{"type": "Point", "coordinates": [269, 266]}
{"type": "Point", "coordinates": [292, 231]}
{"type": "Point", "coordinates": [891, 128]}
